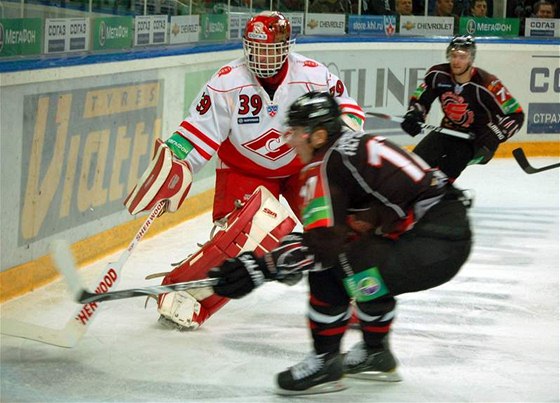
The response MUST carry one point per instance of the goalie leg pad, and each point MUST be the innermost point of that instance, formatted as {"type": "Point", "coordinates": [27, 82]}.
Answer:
{"type": "Point", "coordinates": [257, 227]}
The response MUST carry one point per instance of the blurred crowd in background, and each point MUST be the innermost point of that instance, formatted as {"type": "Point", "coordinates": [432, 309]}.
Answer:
{"type": "Point", "coordinates": [444, 8]}
{"type": "Point", "coordinates": [447, 8]}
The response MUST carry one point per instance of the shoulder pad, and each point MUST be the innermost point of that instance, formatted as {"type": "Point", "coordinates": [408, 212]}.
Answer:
{"type": "Point", "coordinates": [307, 64]}
{"type": "Point", "coordinates": [231, 75]}
{"type": "Point", "coordinates": [484, 77]}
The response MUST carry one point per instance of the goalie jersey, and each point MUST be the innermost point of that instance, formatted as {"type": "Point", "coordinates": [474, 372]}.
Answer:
{"type": "Point", "coordinates": [234, 116]}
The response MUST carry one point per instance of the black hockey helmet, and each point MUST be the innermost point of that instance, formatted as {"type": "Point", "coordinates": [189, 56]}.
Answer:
{"type": "Point", "coordinates": [462, 42]}
{"type": "Point", "coordinates": [315, 110]}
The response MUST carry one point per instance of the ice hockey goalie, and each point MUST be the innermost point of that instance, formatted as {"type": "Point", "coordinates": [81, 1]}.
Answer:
{"type": "Point", "coordinates": [257, 226]}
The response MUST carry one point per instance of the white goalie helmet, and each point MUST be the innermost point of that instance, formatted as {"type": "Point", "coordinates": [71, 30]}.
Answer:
{"type": "Point", "coordinates": [267, 43]}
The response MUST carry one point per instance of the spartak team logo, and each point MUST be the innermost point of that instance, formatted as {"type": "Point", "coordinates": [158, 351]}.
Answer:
{"type": "Point", "coordinates": [257, 32]}
{"type": "Point", "coordinates": [270, 145]}
{"type": "Point", "coordinates": [224, 70]}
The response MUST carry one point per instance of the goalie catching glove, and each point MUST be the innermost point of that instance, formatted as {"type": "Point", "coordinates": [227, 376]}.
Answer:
{"type": "Point", "coordinates": [166, 178]}
{"type": "Point", "coordinates": [286, 264]}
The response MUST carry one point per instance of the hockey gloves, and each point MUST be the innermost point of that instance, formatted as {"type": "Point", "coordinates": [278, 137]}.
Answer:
{"type": "Point", "coordinates": [240, 275]}
{"type": "Point", "coordinates": [412, 120]}
{"type": "Point", "coordinates": [486, 143]}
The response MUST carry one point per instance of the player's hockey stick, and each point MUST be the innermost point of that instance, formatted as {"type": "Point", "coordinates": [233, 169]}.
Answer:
{"type": "Point", "coordinates": [78, 324]}
{"type": "Point", "coordinates": [442, 130]}
{"type": "Point", "coordinates": [521, 159]}
{"type": "Point", "coordinates": [65, 264]}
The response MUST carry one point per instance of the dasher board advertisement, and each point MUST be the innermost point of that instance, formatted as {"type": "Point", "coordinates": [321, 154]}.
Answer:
{"type": "Point", "coordinates": [64, 35]}
{"type": "Point", "coordinates": [150, 30]}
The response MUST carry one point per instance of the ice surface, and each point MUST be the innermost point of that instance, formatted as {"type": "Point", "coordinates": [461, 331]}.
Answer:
{"type": "Point", "coordinates": [490, 334]}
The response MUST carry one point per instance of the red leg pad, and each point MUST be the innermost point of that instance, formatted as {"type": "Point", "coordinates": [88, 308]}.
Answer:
{"type": "Point", "coordinates": [258, 226]}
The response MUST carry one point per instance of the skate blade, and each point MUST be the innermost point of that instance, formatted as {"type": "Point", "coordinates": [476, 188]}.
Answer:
{"type": "Point", "coordinates": [169, 324]}
{"type": "Point", "coordinates": [390, 376]}
{"type": "Point", "coordinates": [166, 323]}
{"type": "Point", "coordinates": [328, 387]}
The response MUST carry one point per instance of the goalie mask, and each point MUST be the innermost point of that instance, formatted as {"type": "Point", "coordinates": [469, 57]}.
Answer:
{"type": "Point", "coordinates": [267, 43]}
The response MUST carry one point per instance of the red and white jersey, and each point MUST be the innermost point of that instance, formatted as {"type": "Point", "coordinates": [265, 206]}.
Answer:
{"type": "Point", "coordinates": [235, 117]}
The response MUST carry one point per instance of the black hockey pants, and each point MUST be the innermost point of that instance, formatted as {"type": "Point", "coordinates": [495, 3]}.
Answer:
{"type": "Point", "coordinates": [427, 256]}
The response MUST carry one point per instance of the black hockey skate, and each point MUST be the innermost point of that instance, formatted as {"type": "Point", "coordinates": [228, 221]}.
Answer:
{"type": "Point", "coordinates": [315, 374]}
{"type": "Point", "coordinates": [376, 364]}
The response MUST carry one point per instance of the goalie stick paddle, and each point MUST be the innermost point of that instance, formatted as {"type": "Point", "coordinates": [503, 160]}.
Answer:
{"type": "Point", "coordinates": [79, 322]}
{"type": "Point", "coordinates": [442, 130]}
{"type": "Point", "coordinates": [67, 267]}
{"type": "Point", "coordinates": [521, 159]}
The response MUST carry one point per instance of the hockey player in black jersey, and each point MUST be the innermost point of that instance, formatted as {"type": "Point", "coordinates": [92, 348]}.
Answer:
{"type": "Point", "coordinates": [378, 222]}
{"type": "Point", "coordinates": [473, 101]}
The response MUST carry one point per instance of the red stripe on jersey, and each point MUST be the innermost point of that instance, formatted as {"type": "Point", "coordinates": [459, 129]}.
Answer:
{"type": "Point", "coordinates": [201, 136]}
{"type": "Point", "coordinates": [353, 109]}
{"type": "Point", "coordinates": [231, 89]}
{"type": "Point", "coordinates": [309, 83]}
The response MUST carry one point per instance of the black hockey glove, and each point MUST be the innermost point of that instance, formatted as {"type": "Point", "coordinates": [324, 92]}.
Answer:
{"type": "Point", "coordinates": [238, 276]}
{"type": "Point", "coordinates": [287, 262]}
{"type": "Point", "coordinates": [486, 143]}
{"type": "Point", "coordinates": [241, 275]}
{"type": "Point", "coordinates": [412, 120]}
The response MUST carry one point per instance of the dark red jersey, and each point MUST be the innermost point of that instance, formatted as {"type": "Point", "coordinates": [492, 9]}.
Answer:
{"type": "Point", "coordinates": [470, 106]}
{"type": "Point", "coordinates": [364, 172]}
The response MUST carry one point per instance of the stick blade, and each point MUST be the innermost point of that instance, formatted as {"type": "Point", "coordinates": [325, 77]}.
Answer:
{"type": "Point", "coordinates": [64, 337]}
{"type": "Point", "coordinates": [66, 265]}
{"type": "Point", "coordinates": [521, 159]}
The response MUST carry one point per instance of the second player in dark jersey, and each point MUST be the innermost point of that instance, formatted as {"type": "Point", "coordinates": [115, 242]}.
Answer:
{"type": "Point", "coordinates": [473, 101]}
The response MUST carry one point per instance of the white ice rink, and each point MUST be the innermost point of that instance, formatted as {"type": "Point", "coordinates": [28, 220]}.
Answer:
{"type": "Point", "coordinates": [491, 334]}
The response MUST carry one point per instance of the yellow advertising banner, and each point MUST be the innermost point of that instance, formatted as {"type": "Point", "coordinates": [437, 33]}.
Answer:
{"type": "Point", "coordinates": [83, 150]}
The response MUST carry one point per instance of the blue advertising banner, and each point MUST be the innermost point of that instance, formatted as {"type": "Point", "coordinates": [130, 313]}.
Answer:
{"type": "Point", "coordinates": [372, 24]}
{"type": "Point", "coordinates": [543, 118]}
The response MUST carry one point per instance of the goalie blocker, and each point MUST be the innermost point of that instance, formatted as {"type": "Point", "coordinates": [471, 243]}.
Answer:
{"type": "Point", "coordinates": [257, 227]}
{"type": "Point", "coordinates": [166, 179]}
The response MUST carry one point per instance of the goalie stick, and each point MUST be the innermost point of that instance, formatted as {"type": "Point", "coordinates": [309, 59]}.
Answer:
{"type": "Point", "coordinates": [521, 159]}
{"type": "Point", "coordinates": [442, 130]}
{"type": "Point", "coordinates": [80, 321]}
{"type": "Point", "coordinates": [67, 267]}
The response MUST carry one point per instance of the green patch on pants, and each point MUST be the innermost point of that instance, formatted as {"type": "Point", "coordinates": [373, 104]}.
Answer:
{"type": "Point", "coordinates": [366, 285]}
